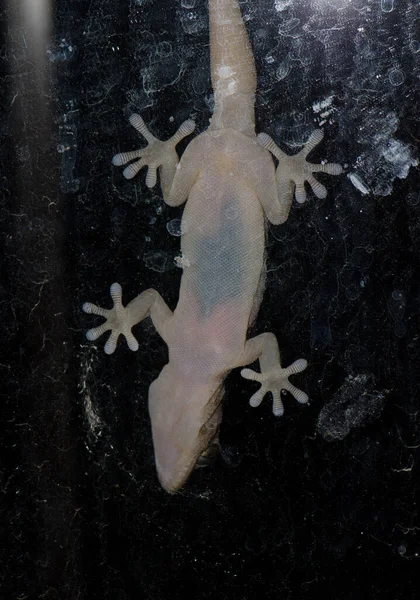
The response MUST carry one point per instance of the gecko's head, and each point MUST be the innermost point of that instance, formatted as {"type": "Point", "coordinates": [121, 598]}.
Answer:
{"type": "Point", "coordinates": [185, 415]}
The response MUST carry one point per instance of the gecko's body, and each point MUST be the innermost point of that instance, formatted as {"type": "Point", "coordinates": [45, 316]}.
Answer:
{"type": "Point", "coordinates": [229, 178]}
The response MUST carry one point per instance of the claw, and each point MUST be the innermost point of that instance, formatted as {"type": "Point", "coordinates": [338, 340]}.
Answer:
{"type": "Point", "coordinates": [124, 157]}
{"type": "Point", "coordinates": [186, 128]}
{"type": "Point", "coordinates": [93, 334]}
{"type": "Point", "coordinates": [137, 122]}
{"type": "Point", "coordinates": [132, 170]}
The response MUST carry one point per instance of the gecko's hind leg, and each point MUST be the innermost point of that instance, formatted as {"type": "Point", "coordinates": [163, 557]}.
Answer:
{"type": "Point", "coordinates": [293, 171]}
{"type": "Point", "coordinates": [156, 156]}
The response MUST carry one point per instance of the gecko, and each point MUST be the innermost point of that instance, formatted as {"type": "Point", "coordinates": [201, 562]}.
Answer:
{"type": "Point", "coordinates": [232, 188]}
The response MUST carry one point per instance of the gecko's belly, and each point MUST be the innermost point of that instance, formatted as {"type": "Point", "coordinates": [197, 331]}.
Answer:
{"type": "Point", "coordinates": [223, 252]}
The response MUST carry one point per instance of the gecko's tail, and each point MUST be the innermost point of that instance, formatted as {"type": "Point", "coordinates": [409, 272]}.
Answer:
{"type": "Point", "coordinates": [232, 68]}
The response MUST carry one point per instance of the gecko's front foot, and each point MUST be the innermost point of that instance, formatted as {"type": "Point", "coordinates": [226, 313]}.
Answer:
{"type": "Point", "coordinates": [118, 320]}
{"type": "Point", "coordinates": [156, 155]}
{"type": "Point", "coordinates": [293, 171]}
{"type": "Point", "coordinates": [275, 380]}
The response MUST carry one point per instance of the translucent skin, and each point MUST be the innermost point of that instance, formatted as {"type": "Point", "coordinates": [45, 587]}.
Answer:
{"type": "Point", "coordinates": [229, 180]}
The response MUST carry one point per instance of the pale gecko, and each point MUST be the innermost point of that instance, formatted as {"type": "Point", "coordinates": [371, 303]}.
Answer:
{"type": "Point", "coordinates": [232, 187]}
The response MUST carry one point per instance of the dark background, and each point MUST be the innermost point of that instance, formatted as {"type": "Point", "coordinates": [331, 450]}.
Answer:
{"type": "Point", "coordinates": [323, 501]}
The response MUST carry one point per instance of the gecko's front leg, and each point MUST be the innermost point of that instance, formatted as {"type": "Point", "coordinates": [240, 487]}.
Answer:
{"type": "Point", "coordinates": [120, 319]}
{"type": "Point", "coordinates": [156, 156]}
{"type": "Point", "coordinates": [273, 378]}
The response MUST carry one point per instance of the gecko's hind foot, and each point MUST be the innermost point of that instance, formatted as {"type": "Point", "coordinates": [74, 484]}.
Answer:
{"type": "Point", "coordinates": [118, 321]}
{"type": "Point", "coordinates": [293, 171]}
{"type": "Point", "coordinates": [274, 381]}
{"type": "Point", "coordinates": [155, 155]}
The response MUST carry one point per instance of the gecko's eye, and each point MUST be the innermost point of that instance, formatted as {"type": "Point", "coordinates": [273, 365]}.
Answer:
{"type": "Point", "coordinates": [209, 456]}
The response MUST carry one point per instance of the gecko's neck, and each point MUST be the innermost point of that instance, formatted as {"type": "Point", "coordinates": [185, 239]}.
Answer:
{"type": "Point", "coordinates": [232, 68]}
